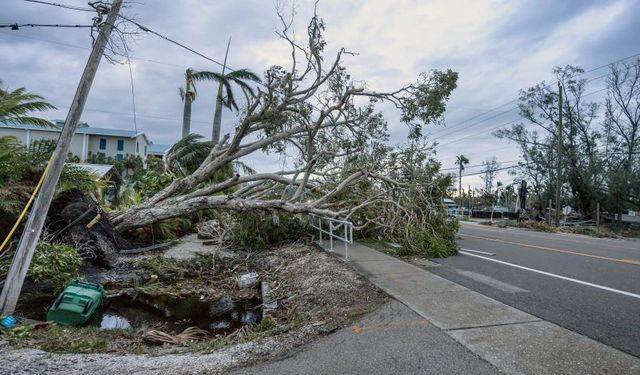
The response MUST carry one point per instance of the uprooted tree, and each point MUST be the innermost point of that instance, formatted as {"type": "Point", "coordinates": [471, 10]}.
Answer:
{"type": "Point", "coordinates": [327, 126]}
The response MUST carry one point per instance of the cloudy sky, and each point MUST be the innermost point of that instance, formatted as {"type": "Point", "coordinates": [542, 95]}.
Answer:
{"type": "Point", "coordinates": [498, 48]}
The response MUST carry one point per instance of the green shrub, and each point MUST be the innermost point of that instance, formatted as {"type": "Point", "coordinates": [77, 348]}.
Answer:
{"type": "Point", "coordinates": [256, 230]}
{"type": "Point", "coordinates": [152, 181]}
{"type": "Point", "coordinates": [52, 263]}
{"type": "Point", "coordinates": [438, 240]}
{"type": "Point", "coordinates": [55, 263]}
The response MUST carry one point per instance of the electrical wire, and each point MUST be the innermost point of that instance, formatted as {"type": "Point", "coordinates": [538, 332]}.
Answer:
{"type": "Point", "coordinates": [60, 5]}
{"type": "Point", "coordinates": [479, 165]}
{"type": "Point", "coordinates": [133, 91]}
{"type": "Point", "coordinates": [436, 134]}
{"type": "Point", "coordinates": [17, 26]}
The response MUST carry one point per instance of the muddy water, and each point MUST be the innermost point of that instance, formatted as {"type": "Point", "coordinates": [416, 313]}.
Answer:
{"type": "Point", "coordinates": [222, 315]}
{"type": "Point", "coordinates": [163, 312]}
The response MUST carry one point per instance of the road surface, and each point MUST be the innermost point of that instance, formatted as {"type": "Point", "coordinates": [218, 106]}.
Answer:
{"type": "Point", "coordinates": [588, 285]}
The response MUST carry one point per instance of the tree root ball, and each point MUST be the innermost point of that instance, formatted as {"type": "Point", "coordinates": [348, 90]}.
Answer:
{"type": "Point", "coordinates": [78, 221]}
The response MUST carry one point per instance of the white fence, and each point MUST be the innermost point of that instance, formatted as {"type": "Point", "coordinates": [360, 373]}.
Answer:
{"type": "Point", "coordinates": [340, 230]}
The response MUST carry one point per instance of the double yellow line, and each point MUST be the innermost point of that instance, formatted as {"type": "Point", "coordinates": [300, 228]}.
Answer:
{"type": "Point", "coordinates": [618, 260]}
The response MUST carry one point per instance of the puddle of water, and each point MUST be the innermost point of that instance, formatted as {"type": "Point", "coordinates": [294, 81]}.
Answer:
{"type": "Point", "coordinates": [222, 315]}
{"type": "Point", "coordinates": [172, 314]}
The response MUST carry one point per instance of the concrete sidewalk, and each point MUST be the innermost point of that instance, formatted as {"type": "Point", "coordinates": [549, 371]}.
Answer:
{"type": "Point", "coordinates": [512, 340]}
{"type": "Point", "coordinates": [392, 340]}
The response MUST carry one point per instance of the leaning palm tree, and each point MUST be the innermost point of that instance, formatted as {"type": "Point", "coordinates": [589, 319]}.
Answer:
{"type": "Point", "coordinates": [239, 77]}
{"type": "Point", "coordinates": [461, 161]}
{"type": "Point", "coordinates": [188, 95]}
{"type": "Point", "coordinates": [16, 106]}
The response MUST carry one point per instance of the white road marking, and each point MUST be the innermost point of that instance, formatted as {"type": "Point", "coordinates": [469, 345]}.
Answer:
{"type": "Point", "coordinates": [478, 252]}
{"type": "Point", "coordinates": [497, 284]}
{"type": "Point", "coordinates": [629, 294]}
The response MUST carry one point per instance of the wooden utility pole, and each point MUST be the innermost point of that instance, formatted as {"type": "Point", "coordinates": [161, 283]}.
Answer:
{"type": "Point", "coordinates": [598, 216]}
{"type": "Point", "coordinates": [559, 161]}
{"type": "Point", "coordinates": [549, 214]}
{"type": "Point", "coordinates": [33, 228]}
{"type": "Point", "coordinates": [470, 203]}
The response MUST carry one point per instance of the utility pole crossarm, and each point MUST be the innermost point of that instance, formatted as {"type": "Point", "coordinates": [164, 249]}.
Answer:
{"type": "Point", "coordinates": [33, 228]}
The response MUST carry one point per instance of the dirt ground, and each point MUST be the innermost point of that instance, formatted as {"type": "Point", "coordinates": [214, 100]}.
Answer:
{"type": "Point", "coordinates": [316, 293]}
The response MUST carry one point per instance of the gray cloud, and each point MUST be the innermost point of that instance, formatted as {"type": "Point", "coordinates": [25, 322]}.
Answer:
{"type": "Point", "coordinates": [497, 47]}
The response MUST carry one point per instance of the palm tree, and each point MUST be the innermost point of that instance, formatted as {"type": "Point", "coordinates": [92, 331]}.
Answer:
{"type": "Point", "coordinates": [461, 161]}
{"type": "Point", "coordinates": [188, 95]}
{"type": "Point", "coordinates": [238, 77]}
{"type": "Point", "coordinates": [16, 105]}
{"type": "Point", "coordinates": [189, 153]}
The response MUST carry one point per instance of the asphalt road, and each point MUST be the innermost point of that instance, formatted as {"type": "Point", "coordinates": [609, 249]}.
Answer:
{"type": "Point", "coordinates": [588, 285]}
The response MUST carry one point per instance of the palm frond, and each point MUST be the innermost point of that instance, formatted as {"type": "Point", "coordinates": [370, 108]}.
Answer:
{"type": "Point", "coordinates": [230, 100]}
{"type": "Point", "coordinates": [243, 75]}
{"type": "Point", "coordinates": [244, 86]}
{"type": "Point", "coordinates": [188, 153]}
{"type": "Point", "coordinates": [16, 105]}
{"type": "Point", "coordinates": [240, 167]}
{"type": "Point", "coordinates": [209, 76]}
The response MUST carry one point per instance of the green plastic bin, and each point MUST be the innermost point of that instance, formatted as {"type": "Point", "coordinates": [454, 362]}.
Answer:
{"type": "Point", "coordinates": [77, 302]}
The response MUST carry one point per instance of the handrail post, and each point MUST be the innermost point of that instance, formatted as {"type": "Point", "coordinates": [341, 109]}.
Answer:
{"type": "Point", "coordinates": [331, 235]}
{"type": "Point", "coordinates": [320, 229]}
{"type": "Point", "coordinates": [346, 244]}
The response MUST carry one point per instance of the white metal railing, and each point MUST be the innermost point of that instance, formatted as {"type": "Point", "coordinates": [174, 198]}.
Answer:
{"type": "Point", "coordinates": [333, 228]}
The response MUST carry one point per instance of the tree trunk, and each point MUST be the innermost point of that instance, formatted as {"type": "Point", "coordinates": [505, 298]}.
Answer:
{"type": "Point", "coordinates": [217, 117]}
{"type": "Point", "coordinates": [186, 116]}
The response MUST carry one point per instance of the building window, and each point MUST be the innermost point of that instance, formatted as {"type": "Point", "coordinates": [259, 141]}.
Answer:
{"type": "Point", "coordinates": [103, 144]}
{"type": "Point", "coordinates": [120, 145]}
{"type": "Point", "coordinates": [137, 147]}
{"type": "Point", "coordinates": [145, 150]}
{"type": "Point", "coordinates": [119, 157]}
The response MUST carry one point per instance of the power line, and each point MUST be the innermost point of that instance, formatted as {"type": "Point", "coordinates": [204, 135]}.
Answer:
{"type": "Point", "coordinates": [146, 29]}
{"type": "Point", "coordinates": [61, 5]}
{"type": "Point", "coordinates": [507, 123]}
{"type": "Point", "coordinates": [133, 91]}
{"type": "Point", "coordinates": [479, 165]}
{"type": "Point", "coordinates": [17, 26]}
{"type": "Point", "coordinates": [88, 48]}
{"type": "Point", "coordinates": [149, 116]}
{"type": "Point", "coordinates": [141, 27]}
{"type": "Point", "coordinates": [497, 169]}
{"type": "Point", "coordinates": [545, 85]}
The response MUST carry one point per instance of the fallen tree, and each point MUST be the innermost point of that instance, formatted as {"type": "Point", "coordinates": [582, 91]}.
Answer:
{"type": "Point", "coordinates": [327, 127]}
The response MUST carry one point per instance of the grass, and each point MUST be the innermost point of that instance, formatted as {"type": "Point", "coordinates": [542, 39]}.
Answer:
{"type": "Point", "coordinates": [66, 339]}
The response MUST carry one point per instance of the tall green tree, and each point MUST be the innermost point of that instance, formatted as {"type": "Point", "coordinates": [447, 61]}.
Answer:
{"type": "Point", "coordinates": [16, 107]}
{"type": "Point", "coordinates": [461, 161]}
{"type": "Point", "coordinates": [583, 174]}
{"type": "Point", "coordinates": [622, 129]}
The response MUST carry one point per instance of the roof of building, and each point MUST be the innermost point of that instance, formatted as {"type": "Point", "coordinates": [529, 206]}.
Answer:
{"type": "Point", "coordinates": [100, 170]}
{"type": "Point", "coordinates": [83, 128]}
{"type": "Point", "coordinates": [156, 148]}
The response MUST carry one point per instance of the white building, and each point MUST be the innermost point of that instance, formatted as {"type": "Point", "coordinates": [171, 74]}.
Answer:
{"type": "Point", "coordinates": [115, 143]}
